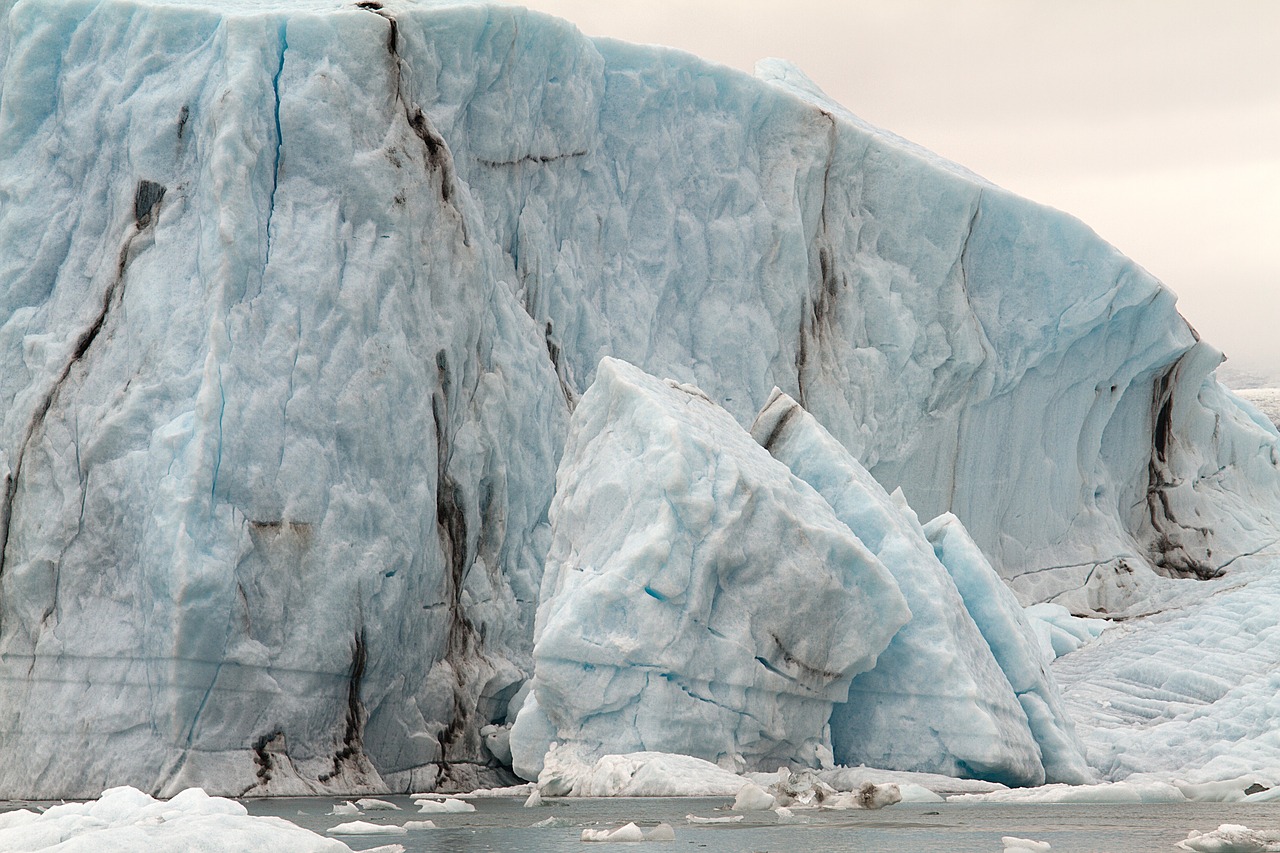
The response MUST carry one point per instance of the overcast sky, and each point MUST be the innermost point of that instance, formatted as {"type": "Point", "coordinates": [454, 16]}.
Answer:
{"type": "Point", "coordinates": [1157, 122]}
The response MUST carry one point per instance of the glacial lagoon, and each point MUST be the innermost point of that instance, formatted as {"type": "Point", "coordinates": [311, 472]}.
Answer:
{"type": "Point", "coordinates": [503, 824]}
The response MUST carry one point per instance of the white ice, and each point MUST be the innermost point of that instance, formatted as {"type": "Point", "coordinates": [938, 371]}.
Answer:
{"type": "Point", "coordinates": [1013, 844]}
{"type": "Point", "coordinates": [125, 820]}
{"type": "Point", "coordinates": [370, 804]}
{"type": "Point", "coordinates": [361, 827]}
{"type": "Point", "coordinates": [1231, 838]}
{"type": "Point", "coordinates": [631, 832]}
{"type": "Point", "coordinates": [644, 774]}
{"type": "Point", "coordinates": [448, 805]}
{"type": "Point", "coordinates": [698, 597]}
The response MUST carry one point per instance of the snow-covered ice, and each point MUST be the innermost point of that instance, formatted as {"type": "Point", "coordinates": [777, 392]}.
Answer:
{"type": "Point", "coordinates": [362, 827]}
{"type": "Point", "coordinates": [125, 820]}
{"type": "Point", "coordinates": [448, 805]}
{"type": "Point", "coordinates": [643, 774]}
{"type": "Point", "coordinates": [1013, 844]}
{"type": "Point", "coordinates": [371, 804]}
{"type": "Point", "coordinates": [1102, 792]}
{"type": "Point", "coordinates": [698, 598]}
{"type": "Point", "coordinates": [1231, 838]}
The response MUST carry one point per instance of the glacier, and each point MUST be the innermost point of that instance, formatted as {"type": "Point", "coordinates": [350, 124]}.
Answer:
{"type": "Point", "coordinates": [297, 300]}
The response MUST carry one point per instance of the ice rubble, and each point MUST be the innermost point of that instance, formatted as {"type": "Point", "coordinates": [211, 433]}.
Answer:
{"type": "Point", "coordinates": [296, 299]}
{"type": "Point", "coordinates": [125, 820]}
{"type": "Point", "coordinates": [698, 598]}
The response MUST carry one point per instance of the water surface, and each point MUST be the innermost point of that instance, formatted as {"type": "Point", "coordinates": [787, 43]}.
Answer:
{"type": "Point", "coordinates": [505, 825]}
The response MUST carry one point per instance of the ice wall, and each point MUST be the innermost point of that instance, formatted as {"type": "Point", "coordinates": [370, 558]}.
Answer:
{"type": "Point", "coordinates": [295, 300]}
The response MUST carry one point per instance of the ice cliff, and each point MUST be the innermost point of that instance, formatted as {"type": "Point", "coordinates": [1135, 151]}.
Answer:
{"type": "Point", "coordinates": [296, 299]}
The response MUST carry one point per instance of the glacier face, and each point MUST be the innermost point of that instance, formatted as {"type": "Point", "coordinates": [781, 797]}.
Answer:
{"type": "Point", "coordinates": [296, 299]}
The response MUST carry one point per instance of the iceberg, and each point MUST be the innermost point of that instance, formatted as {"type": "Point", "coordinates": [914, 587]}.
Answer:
{"type": "Point", "coordinates": [697, 597]}
{"type": "Point", "coordinates": [937, 701]}
{"type": "Point", "coordinates": [297, 298]}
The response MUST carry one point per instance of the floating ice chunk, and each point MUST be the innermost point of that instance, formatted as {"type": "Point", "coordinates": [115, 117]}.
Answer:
{"type": "Point", "coordinates": [521, 790]}
{"type": "Point", "coordinates": [1016, 648]}
{"type": "Point", "coordinates": [446, 806]}
{"type": "Point", "coordinates": [125, 819]}
{"type": "Point", "coordinates": [937, 700]}
{"type": "Point", "coordinates": [371, 805]}
{"type": "Point", "coordinates": [534, 799]}
{"type": "Point", "coordinates": [347, 808]}
{"type": "Point", "coordinates": [1013, 844]}
{"type": "Point", "coordinates": [1231, 838]}
{"type": "Point", "coordinates": [698, 597]}
{"type": "Point", "coordinates": [1106, 792]}
{"type": "Point", "coordinates": [638, 774]}
{"type": "Point", "coordinates": [362, 827]}
{"type": "Point", "coordinates": [631, 833]}
{"type": "Point", "coordinates": [873, 796]}
{"type": "Point", "coordinates": [806, 789]}
{"type": "Point", "coordinates": [549, 822]}
{"type": "Point", "coordinates": [693, 818]}
{"type": "Point", "coordinates": [752, 798]}
{"type": "Point", "coordinates": [661, 832]}
{"type": "Point", "coordinates": [626, 832]}
{"type": "Point", "coordinates": [417, 825]}
{"type": "Point", "coordinates": [1222, 790]}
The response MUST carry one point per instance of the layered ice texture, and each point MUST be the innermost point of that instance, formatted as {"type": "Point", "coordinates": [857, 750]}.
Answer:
{"type": "Point", "coordinates": [698, 598]}
{"type": "Point", "coordinates": [296, 300]}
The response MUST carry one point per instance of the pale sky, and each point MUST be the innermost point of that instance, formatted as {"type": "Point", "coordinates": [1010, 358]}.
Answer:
{"type": "Point", "coordinates": [1157, 122]}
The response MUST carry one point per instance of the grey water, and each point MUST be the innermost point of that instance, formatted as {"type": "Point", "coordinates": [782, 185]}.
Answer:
{"type": "Point", "coordinates": [503, 824]}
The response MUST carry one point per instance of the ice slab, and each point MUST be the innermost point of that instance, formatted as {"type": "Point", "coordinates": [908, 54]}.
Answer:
{"type": "Point", "coordinates": [698, 598]}
{"type": "Point", "coordinates": [1016, 647]}
{"type": "Point", "coordinates": [936, 701]}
